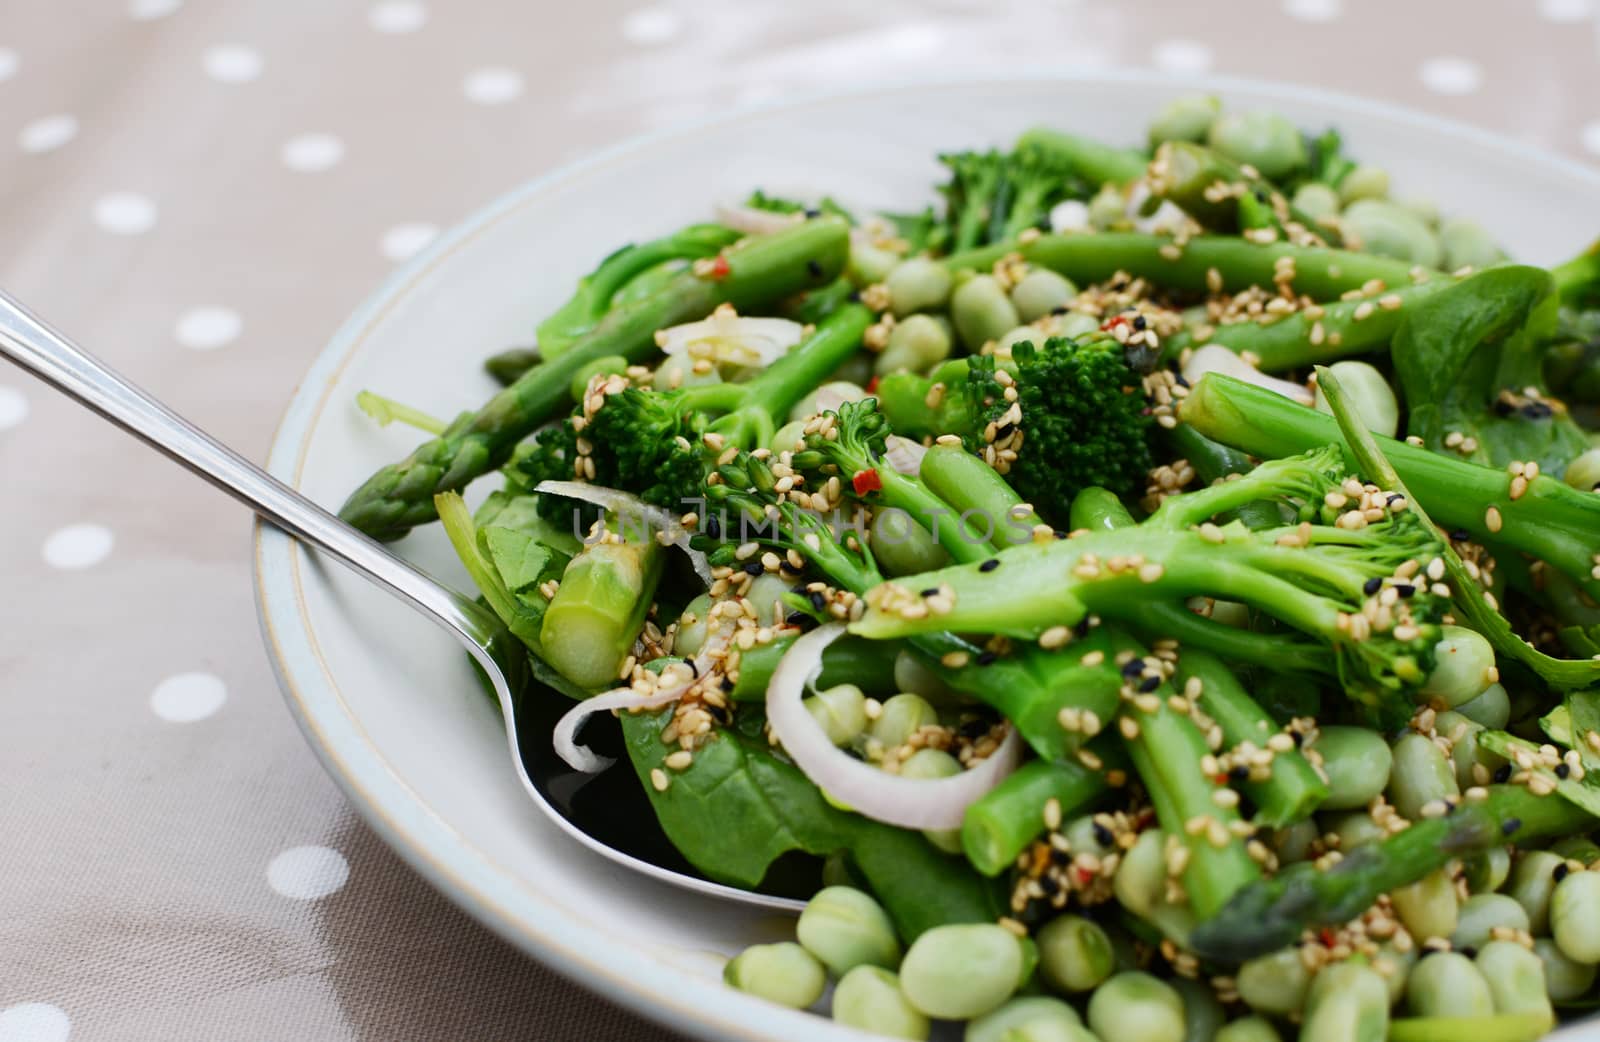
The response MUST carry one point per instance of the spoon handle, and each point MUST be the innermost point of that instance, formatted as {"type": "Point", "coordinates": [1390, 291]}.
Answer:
{"type": "Point", "coordinates": [47, 353]}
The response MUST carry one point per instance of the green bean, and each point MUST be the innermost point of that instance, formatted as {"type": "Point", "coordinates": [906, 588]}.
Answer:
{"type": "Point", "coordinates": [1448, 984]}
{"type": "Point", "coordinates": [784, 973]}
{"type": "Point", "coordinates": [845, 928]}
{"type": "Point", "coordinates": [1020, 1012]}
{"type": "Point", "coordinates": [1583, 473]}
{"type": "Point", "coordinates": [1040, 292]}
{"type": "Point", "coordinates": [982, 311]}
{"type": "Point", "coordinates": [1267, 141]}
{"type": "Point", "coordinates": [1565, 979]}
{"type": "Point", "coordinates": [1089, 159]}
{"type": "Point", "coordinates": [1202, 1013]}
{"type": "Point", "coordinates": [841, 712]}
{"type": "Point", "coordinates": [901, 546]}
{"type": "Point", "coordinates": [1429, 907]}
{"type": "Point", "coordinates": [962, 971]}
{"type": "Point", "coordinates": [869, 263]}
{"type": "Point", "coordinates": [1348, 1002]}
{"type": "Point", "coordinates": [1575, 916]}
{"type": "Point", "coordinates": [1137, 1006]}
{"type": "Point", "coordinates": [1486, 872]}
{"type": "Point", "coordinates": [693, 624]}
{"type": "Point", "coordinates": [1074, 954]}
{"type": "Point", "coordinates": [1421, 776]}
{"type": "Point", "coordinates": [1390, 230]}
{"type": "Point", "coordinates": [869, 664]}
{"type": "Point", "coordinates": [1002, 822]}
{"type": "Point", "coordinates": [606, 365]}
{"type": "Point", "coordinates": [902, 716]}
{"type": "Point", "coordinates": [1516, 980]}
{"type": "Point", "coordinates": [1247, 1029]}
{"type": "Point", "coordinates": [1465, 664]}
{"type": "Point", "coordinates": [1467, 244]}
{"type": "Point", "coordinates": [1275, 984]}
{"type": "Point", "coordinates": [931, 764]}
{"type": "Point", "coordinates": [1316, 200]}
{"type": "Point", "coordinates": [1187, 117]}
{"type": "Point", "coordinates": [1481, 915]}
{"type": "Point", "coordinates": [963, 480]}
{"type": "Point", "coordinates": [1357, 763]}
{"type": "Point", "coordinates": [918, 284]}
{"type": "Point", "coordinates": [1364, 182]}
{"type": "Point", "coordinates": [1369, 392]}
{"type": "Point", "coordinates": [1532, 884]}
{"type": "Point", "coordinates": [869, 997]}
{"type": "Point", "coordinates": [1581, 849]}
{"type": "Point", "coordinates": [1356, 829]}
{"type": "Point", "coordinates": [1492, 708]}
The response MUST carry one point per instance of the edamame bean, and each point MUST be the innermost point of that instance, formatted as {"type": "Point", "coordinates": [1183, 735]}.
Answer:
{"type": "Point", "coordinates": [1463, 670]}
{"type": "Point", "coordinates": [963, 971]}
{"type": "Point", "coordinates": [1425, 210]}
{"type": "Point", "coordinates": [1202, 1013]}
{"type": "Point", "coordinates": [1074, 954]}
{"type": "Point", "coordinates": [1466, 243]}
{"type": "Point", "coordinates": [1136, 1005]}
{"type": "Point", "coordinates": [1481, 914]}
{"type": "Point", "coordinates": [1487, 872]}
{"type": "Point", "coordinates": [1448, 984]}
{"type": "Point", "coordinates": [1516, 980]}
{"type": "Point", "coordinates": [693, 624]}
{"type": "Point", "coordinates": [1358, 763]}
{"type": "Point", "coordinates": [1395, 968]}
{"type": "Point", "coordinates": [1389, 230]}
{"type": "Point", "coordinates": [902, 716]}
{"type": "Point", "coordinates": [1294, 843]}
{"type": "Point", "coordinates": [1040, 292]}
{"type": "Point", "coordinates": [1187, 117]}
{"type": "Point", "coordinates": [1429, 907]}
{"type": "Point", "coordinates": [918, 284]}
{"type": "Point", "coordinates": [1275, 984]}
{"type": "Point", "coordinates": [917, 343]}
{"type": "Point", "coordinates": [982, 311]}
{"type": "Point", "coordinates": [869, 997]}
{"type": "Point", "coordinates": [1462, 734]}
{"type": "Point", "coordinates": [766, 594]}
{"type": "Point", "coordinates": [1267, 141]}
{"type": "Point", "coordinates": [1492, 709]}
{"type": "Point", "coordinates": [679, 371]}
{"type": "Point", "coordinates": [1575, 916]}
{"type": "Point", "coordinates": [1532, 883]}
{"type": "Point", "coordinates": [607, 365]}
{"type": "Point", "coordinates": [1019, 1012]}
{"type": "Point", "coordinates": [841, 712]}
{"type": "Point", "coordinates": [1108, 208]}
{"type": "Point", "coordinates": [1248, 1029]}
{"type": "Point", "coordinates": [1421, 775]}
{"type": "Point", "coordinates": [1020, 335]}
{"type": "Point", "coordinates": [1141, 879]}
{"type": "Point", "coordinates": [1564, 979]}
{"type": "Point", "coordinates": [869, 263]}
{"type": "Point", "coordinates": [1583, 473]}
{"type": "Point", "coordinates": [1370, 394]}
{"type": "Point", "coordinates": [1316, 200]}
{"type": "Point", "coordinates": [932, 764]}
{"type": "Point", "coordinates": [1348, 1002]}
{"type": "Point", "coordinates": [827, 398]}
{"type": "Point", "coordinates": [1073, 324]}
{"type": "Point", "coordinates": [1581, 849]}
{"type": "Point", "coordinates": [1356, 829]}
{"type": "Point", "coordinates": [902, 546]}
{"type": "Point", "coordinates": [784, 973]}
{"type": "Point", "coordinates": [914, 675]}
{"type": "Point", "coordinates": [788, 436]}
{"type": "Point", "coordinates": [1364, 182]}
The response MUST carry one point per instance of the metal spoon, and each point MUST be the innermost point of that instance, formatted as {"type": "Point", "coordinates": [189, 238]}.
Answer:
{"type": "Point", "coordinates": [46, 353]}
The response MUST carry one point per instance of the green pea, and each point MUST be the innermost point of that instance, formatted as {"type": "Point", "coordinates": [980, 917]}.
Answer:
{"type": "Point", "coordinates": [1429, 907]}
{"type": "Point", "coordinates": [869, 263]}
{"type": "Point", "coordinates": [1136, 1005]}
{"type": "Point", "coordinates": [784, 973]}
{"type": "Point", "coordinates": [1108, 208]}
{"type": "Point", "coordinates": [1074, 954]}
{"type": "Point", "coordinates": [788, 436]}
{"type": "Point", "coordinates": [902, 546]}
{"type": "Point", "coordinates": [1370, 394]}
{"type": "Point", "coordinates": [1294, 842]}
{"type": "Point", "coordinates": [1448, 984]}
{"type": "Point", "coordinates": [916, 343]}
{"type": "Point", "coordinates": [1316, 200]}
{"type": "Point", "coordinates": [932, 764]}
{"type": "Point", "coordinates": [845, 928]}
{"type": "Point", "coordinates": [1020, 1012]}
{"type": "Point", "coordinates": [1202, 1013]}
{"type": "Point", "coordinates": [693, 624]}
{"type": "Point", "coordinates": [1187, 117]}
{"type": "Point", "coordinates": [918, 284]}
{"type": "Point", "coordinates": [1275, 984]}
{"type": "Point", "coordinates": [869, 997]}
{"type": "Point", "coordinates": [1583, 473]}
{"type": "Point", "coordinates": [1532, 884]}
{"type": "Point", "coordinates": [1390, 230]}
{"type": "Point", "coordinates": [1464, 661]}
{"type": "Point", "coordinates": [1492, 708]}
{"type": "Point", "coordinates": [963, 971]}
{"type": "Point", "coordinates": [841, 712]}
{"type": "Point", "coordinates": [1488, 871]}
{"type": "Point", "coordinates": [1267, 141]}
{"type": "Point", "coordinates": [1565, 980]}
{"type": "Point", "coordinates": [1248, 1029]}
{"type": "Point", "coordinates": [1364, 182]}
{"type": "Point", "coordinates": [607, 365]}
{"type": "Point", "coordinates": [1348, 1002]}
{"type": "Point", "coordinates": [982, 311]}
{"type": "Point", "coordinates": [1141, 879]}
{"type": "Point", "coordinates": [1358, 764]}
{"type": "Point", "coordinates": [1516, 980]}
{"type": "Point", "coordinates": [1481, 914]}
{"type": "Point", "coordinates": [1467, 244]}
{"type": "Point", "coordinates": [1040, 292]}
{"type": "Point", "coordinates": [902, 716]}
{"type": "Point", "coordinates": [679, 371]}
{"type": "Point", "coordinates": [826, 398]}
{"type": "Point", "coordinates": [1421, 775]}
{"type": "Point", "coordinates": [1356, 829]}
{"type": "Point", "coordinates": [1575, 916]}
{"type": "Point", "coordinates": [1581, 849]}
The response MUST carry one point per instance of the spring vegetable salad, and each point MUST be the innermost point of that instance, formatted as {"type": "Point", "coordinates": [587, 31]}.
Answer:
{"type": "Point", "coordinates": [1156, 590]}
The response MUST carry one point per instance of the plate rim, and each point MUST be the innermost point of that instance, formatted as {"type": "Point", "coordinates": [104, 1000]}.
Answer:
{"type": "Point", "coordinates": [626, 974]}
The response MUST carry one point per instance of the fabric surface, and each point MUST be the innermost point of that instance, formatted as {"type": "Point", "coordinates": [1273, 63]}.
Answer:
{"type": "Point", "coordinates": [200, 191]}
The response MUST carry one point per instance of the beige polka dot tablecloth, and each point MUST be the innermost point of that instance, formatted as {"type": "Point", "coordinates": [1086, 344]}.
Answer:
{"type": "Point", "coordinates": [200, 190]}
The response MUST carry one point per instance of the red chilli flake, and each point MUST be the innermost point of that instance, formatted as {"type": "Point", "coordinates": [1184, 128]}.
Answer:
{"type": "Point", "coordinates": [719, 267]}
{"type": "Point", "coordinates": [867, 481]}
{"type": "Point", "coordinates": [1327, 937]}
{"type": "Point", "coordinates": [1083, 876]}
{"type": "Point", "coordinates": [872, 384]}
{"type": "Point", "coordinates": [1113, 322]}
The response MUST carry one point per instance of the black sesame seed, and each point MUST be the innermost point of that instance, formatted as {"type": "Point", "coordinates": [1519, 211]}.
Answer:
{"type": "Point", "coordinates": [812, 213]}
{"type": "Point", "coordinates": [713, 527]}
{"type": "Point", "coordinates": [1395, 497]}
{"type": "Point", "coordinates": [1119, 285]}
{"type": "Point", "coordinates": [1149, 684]}
{"type": "Point", "coordinates": [1059, 534]}
{"type": "Point", "coordinates": [929, 592]}
{"type": "Point", "coordinates": [1537, 411]}
{"type": "Point", "coordinates": [1260, 194]}
{"type": "Point", "coordinates": [753, 568]}
{"type": "Point", "coordinates": [1459, 535]}
{"type": "Point", "coordinates": [694, 670]}
{"type": "Point", "coordinates": [1561, 872]}
{"type": "Point", "coordinates": [1372, 586]}
{"type": "Point", "coordinates": [1469, 951]}
{"type": "Point", "coordinates": [1502, 407]}
{"type": "Point", "coordinates": [1049, 885]}
{"type": "Point", "coordinates": [1103, 836]}
{"type": "Point", "coordinates": [977, 727]}
{"type": "Point", "coordinates": [1563, 771]}
{"type": "Point", "coordinates": [1132, 668]}
{"type": "Point", "coordinates": [1502, 774]}
{"type": "Point", "coordinates": [817, 600]}
{"type": "Point", "coordinates": [1238, 773]}
{"type": "Point", "coordinates": [1178, 379]}
{"type": "Point", "coordinates": [796, 618]}
{"type": "Point", "coordinates": [727, 684]}
{"type": "Point", "coordinates": [1002, 433]}
{"type": "Point", "coordinates": [1059, 309]}
{"type": "Point", "coordinates": [1510, 825]}
{"type": "Point", "coordinates": [990, 565]}
{"type": "Point", "coordinates": [987, 658]}
{"type": "Point", "coordinates": [1297, 738]}
{"type": "Point", "coordinates": [1060, 857]}
{"type": "Point", "coordinates": [1405, 590]}
{"type": "Point", "coordinates": [1139, 323]}
{"type": "Point", "coordinates": [855, 296]}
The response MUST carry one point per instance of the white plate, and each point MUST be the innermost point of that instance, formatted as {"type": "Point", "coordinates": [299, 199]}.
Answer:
{"type": "Point", "coordinates": [388, 701]}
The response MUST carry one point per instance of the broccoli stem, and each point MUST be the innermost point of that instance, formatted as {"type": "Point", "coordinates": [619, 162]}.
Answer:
{"type": "Point", "coordinates": [760, 271]}
{"type": "Point", "coordinates": [1090, 159]}
{"type": "Point", "coordinates": [764, 400]}
{"type": "Point", "coordinates": [1005, 821]}
{"type": "Point", "coordinates": [1214, 462]}
{"type": "Point", "coordinates": [1323, 274]}
{"type": "Point", "coordinates": [595, 616]}
{"type": "Point", "coordinates": [868, 664]}
{"type": "Point", "coordinates": [972, 487]}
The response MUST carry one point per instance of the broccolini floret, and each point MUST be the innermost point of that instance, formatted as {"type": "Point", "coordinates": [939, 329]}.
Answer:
{"type": "Point", "coordinates": [996, 196]}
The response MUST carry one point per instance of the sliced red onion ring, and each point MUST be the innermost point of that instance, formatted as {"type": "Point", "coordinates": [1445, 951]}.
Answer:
{"type": "Point", "coordinates": [1218, 358]}
{"type": "Point", "coordinates": [625, 503]}
{"type": "Point", "coordinates": [751, 221]}
{"type": "Point", "coordinates": [733, 338]}
{"type": "Point", "coordinates": [907, 802]}
{"type": "Point", "coordinates": [904, 455]}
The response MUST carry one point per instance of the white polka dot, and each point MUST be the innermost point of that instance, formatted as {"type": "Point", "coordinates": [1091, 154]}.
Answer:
{"type": "Point", "coordinates": [78, 546]}
{"type": "Point", "coordinates": [397, 16]}
{"type": "Point", "coordinates": [125, 213]}
{"type": "Point", "coordinates": [188, 697]}
{"type": "Point", "coordinates": [1314, 10]}
{"type": "Point", "coordinates": [1450, 75]}
{"type": "Point", "coordinates": [651, 25]}
{"type": "Point", "coordinates": [9, 62]}
{"type": "Point", "coordinates": [1182, 56]}
{"type": "Point", "coordinates": [231, 63]}
{"type": "Point", "coordinates": [1566, 10]}
{"type": "Point", "coordinates": [494, 85]}
{"type": "Point", "coordinates": [47, 134]}
{"type": "Point", "coordinates": [34, 1022]}
{"type": "Point", "coordinates": [149, 10]}
{"type": "Point", "coordinates": [205, 329]}
{"type": "Point", "coordinates": [404, 240]}
{"type": "Point", "coordinates": [13, 407]}
{"type": "Point", "coordinates": [307, 873]}
{"type": "Point", "coordinates": [310, 153]}
{"type": "Point", "coordinates": [1591, 137]}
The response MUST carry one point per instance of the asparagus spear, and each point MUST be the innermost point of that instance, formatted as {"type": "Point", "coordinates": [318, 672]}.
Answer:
{"type": "Point", "coordinates": [758, 272]}
{"type": "Point", "coordinates": [1006, 819]}
{"type": "Point", "coordinates": [597, 612]}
